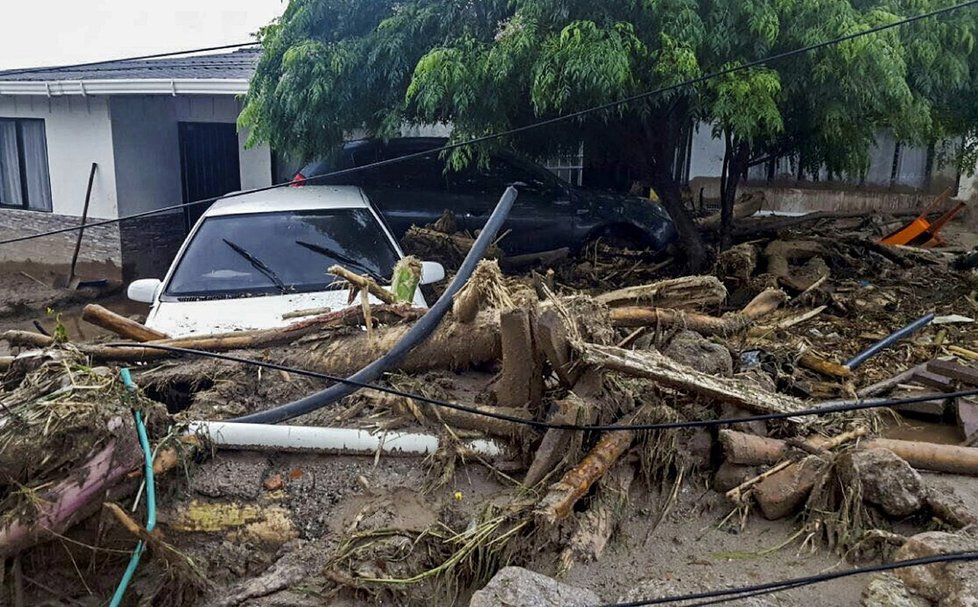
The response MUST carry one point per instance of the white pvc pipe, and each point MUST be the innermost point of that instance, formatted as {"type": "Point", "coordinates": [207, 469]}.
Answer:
{"type": "Point", "coordinates": [337, 441]}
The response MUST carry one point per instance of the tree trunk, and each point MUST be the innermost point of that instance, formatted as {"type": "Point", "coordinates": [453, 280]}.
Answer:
{"type": "Point", "coordinates": [120, 325]}
{"type": "Point", "coordinates": [735, 157]}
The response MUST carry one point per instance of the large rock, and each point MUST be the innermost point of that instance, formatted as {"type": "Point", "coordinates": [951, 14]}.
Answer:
{"type": "Point", "coordinates": [786, 490]}
{"type": "Point", "coordinates": [518, 587]}
{"type": "Point", "coordinates": [696, 351]}
{"type": "Point", "coordinates": [887, 480]}
{"type": "Point", "coordinates": [952, 584]}
{"type": "Point", "coordinates": [887, 590]}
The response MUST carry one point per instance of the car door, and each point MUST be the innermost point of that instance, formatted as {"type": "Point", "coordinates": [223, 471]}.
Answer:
{"type": "Point", "coordinates": [410, 192]}
{"type": "Point", "coordinates": [541, 216]}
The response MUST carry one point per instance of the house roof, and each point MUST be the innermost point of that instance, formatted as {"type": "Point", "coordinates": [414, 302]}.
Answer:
{"type": "Point", "coordinates": [225, 73]}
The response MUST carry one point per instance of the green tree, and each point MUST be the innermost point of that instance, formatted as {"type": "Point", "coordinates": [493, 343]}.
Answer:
{"type": "Point", "coordinates": [332, 67]}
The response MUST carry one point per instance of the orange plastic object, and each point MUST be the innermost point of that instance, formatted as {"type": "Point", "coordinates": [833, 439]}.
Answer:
{"type": "Point", "coordinates": [921, 232]}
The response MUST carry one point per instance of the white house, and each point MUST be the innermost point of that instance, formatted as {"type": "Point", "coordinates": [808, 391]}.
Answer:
{"type": "Point", "coordinates": [161, 132]}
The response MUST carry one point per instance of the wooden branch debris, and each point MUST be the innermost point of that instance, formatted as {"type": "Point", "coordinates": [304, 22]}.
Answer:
{"type": "Point", "coordinates": [688, 292]}
{"type": "Point", "coordinates": [823, 366]}
{"type": "Point", "coordinates": [363, 282]}
{"type": "Point", "coordinates": [596, 525]}
{"type": "Point", "coordinates": [749, 204]}
{"type": "Point", "coordinates": [349, 317]}
{"type": "Point", "coordinates": [521, 379]}
{"type": "Point", "coordinates": [762, 305]}
{"type": "Point", "coordinates": [952, 459]}
{"type": "Point", "coordinates": [563, 494]}
{"type": "Point", "coordinates": [120, 325]}
{"type": "Point", "coordinates": [463, 420]}
{"type": "Point", "coordinates": [653, 365]}
{"type": "Point", "coordinates": [485, 289]}
{"type": "Point", "coordinates": [786, 323]}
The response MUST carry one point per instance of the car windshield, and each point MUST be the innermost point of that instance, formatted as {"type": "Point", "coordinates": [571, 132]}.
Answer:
{"type": "Point", "coordinates": [273, 253]}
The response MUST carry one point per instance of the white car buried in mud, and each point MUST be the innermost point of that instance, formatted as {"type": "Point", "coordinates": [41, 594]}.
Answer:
{"type": "Point", "coordinates": [254, 258]}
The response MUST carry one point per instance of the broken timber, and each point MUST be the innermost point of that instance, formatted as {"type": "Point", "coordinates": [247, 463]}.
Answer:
{"type": "Point", "coordinates": [650, 364]}
{"type": "Point", "coordinates": [680, 293]}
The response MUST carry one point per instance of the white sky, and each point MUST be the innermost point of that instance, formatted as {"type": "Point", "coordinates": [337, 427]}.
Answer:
{"type": "Point", "coordinates": [57, 32]}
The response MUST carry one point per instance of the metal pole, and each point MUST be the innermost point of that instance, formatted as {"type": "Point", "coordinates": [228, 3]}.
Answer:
{"type": "Point", "coordinates": [886, 342]}
{"type": "Point", "coordinates": [84, 220]}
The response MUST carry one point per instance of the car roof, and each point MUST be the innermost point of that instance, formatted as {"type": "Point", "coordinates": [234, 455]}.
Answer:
{"type": "Point", "coordinates": [304, 198]}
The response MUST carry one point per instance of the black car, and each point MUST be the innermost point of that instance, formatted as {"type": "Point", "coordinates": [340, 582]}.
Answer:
{"type": "Point", "coordinates": [549, 213]}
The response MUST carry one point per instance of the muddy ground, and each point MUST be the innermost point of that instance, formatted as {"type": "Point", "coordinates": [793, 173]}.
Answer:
{"type": "Point", "coordinates": [240, 516]}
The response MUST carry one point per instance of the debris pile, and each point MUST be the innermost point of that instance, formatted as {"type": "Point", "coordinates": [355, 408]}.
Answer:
{"type": "Point", "coordinates": [660, 370]}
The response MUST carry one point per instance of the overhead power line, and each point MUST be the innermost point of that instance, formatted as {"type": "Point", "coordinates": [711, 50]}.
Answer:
{"type": "Point", "coordinates": [816, 411]}
{"type": "Point", "coordinates": [525, 128]}
{"type": "Point", "coordinates": [74, 66]}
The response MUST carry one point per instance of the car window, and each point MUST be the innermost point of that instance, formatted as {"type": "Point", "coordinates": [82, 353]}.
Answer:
{"type": "Point", "coordinates": [292, 247]}
{"type": "Point", "coordinates": [425, 173]}
{"type": "Point", "coordinates": [501, 173]}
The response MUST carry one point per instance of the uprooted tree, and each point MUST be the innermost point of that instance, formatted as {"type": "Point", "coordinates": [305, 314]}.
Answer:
{"type": "Point", "coordinates": [332, 67]}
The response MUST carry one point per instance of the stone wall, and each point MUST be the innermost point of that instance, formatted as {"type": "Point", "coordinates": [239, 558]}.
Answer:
{"type": "Point", "coordinates": [100, 251]}
{"type": "Point", "coordinates": [150, 243]}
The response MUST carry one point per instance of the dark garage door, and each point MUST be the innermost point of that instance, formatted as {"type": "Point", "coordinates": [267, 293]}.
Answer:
{"type": "Point", "coordinates": [208, 164]}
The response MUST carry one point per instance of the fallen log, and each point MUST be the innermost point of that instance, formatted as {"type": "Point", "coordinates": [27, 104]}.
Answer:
{"type": "Point", "coordinates": [779, 254]}
{"type": "Point", "coordinates": [737, 263]}
{"type": "Point", "coordinates": [749, 204]}
{"type": "Point", "coordinates": [653, 365]}
{"type": "Point", "coordinates": [684, 293]}
{"type": "Point", "coordinates": [484, 290]}
{"type": "Point", "coordinates": [751, 450]}
{"type": "Point", "coordinates": [762, 305]}
{"type": "Point", "coordinates": [952, 459]}
{"type": "Point", "coordinates": [120, 325]}
{"type": "Point", "coordinates": [598, 523]}
{"type": "Point", "coordinates": [563, 494]}
{"type": "Point", "coordinates": [363, 282]}
{"type": "Point", "coordinates": [823, 366]}
{"type": "Point", "coordinates": [225, 342]}
{"type": "Point", "coordinates": [886, 385]}
{"type": "Point", "coordinates": [29, 339]}
{"type": "Point", "coordinates": [521, 378]}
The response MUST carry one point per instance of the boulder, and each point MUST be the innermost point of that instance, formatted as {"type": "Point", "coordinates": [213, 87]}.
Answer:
{"type": "Point", "coordinates": [952, 584]}
{"type": "Point", "coordinates": [887, 590]}
{"type": "Point", "coordinates": [518, 587]}
{"type": "Point", "coordinates": [786, 490]}
{"type": "Point", "coordinates": [696, 351]}
{"type": "Point", "coordinates": [887, 480]}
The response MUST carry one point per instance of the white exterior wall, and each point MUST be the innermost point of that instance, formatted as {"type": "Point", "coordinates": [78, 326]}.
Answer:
{"type": "Point", "coordinates": [147, 147]}
{"type": "Point", "coordinates": [78, 133]}
{"type": "Point", "coordinates": [147, 153]}
{"type": "Point", "coordinates": [706, 155]}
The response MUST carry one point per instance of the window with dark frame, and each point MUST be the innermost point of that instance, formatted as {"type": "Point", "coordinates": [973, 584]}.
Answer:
{"type": "Point", "coordinates": [25, 181]}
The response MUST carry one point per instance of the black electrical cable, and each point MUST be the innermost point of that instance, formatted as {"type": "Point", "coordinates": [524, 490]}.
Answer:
{"type": "Point", "coordinates": [414, 336]}
{"type": "Point", "coordinates": [770, 587]}
{"type": "Point", "coordinates": [75, 66]}
{"type": "Point", "coordinates": [521, 129]}
{"type": "Point", "coordinates": [835, 407]}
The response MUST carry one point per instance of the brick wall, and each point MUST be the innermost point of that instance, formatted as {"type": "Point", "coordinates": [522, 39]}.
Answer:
{"type": "Point", "coordinates": [150, 243]}
{"type": "Point", "coordinates": [100, 245]}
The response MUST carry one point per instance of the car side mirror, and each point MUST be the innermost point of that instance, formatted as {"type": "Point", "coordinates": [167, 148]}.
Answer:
{"type": "Point", "coordinates": [431, 271]}
{"type": "Point", "coordinates": [144, 290]}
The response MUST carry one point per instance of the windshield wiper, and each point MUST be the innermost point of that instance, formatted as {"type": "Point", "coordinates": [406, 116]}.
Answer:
{"type": "Point", "coordinates": [258, 264]}
{"type": "Point", "coordinates": [341, 258]}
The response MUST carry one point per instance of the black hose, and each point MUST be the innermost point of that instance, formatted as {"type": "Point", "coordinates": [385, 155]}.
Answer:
{"type": "Point", "coordinates": [418, 333]}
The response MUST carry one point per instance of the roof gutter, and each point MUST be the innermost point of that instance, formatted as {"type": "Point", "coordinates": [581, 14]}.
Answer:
{"type": "Point", "coordinates": [156, 86]}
